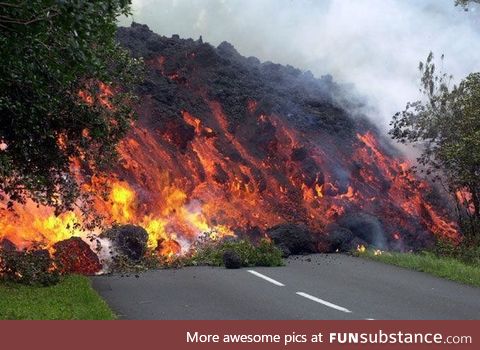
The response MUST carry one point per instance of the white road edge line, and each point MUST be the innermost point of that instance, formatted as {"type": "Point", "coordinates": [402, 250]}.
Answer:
{"type": "Point", "coordinates": [323, 302]}
{"type": "Point", "coordinates": [266, 278]}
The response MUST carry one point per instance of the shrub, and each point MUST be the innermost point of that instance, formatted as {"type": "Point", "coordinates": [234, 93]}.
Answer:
{"type": "Point", "coordinates": [467, 251]}
{"type": "Point", "coordinates": [211, 252]}
{"type": "Point", "coordinates": [31, 267]}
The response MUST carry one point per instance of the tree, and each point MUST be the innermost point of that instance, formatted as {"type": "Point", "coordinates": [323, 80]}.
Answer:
{"type": "Point", "coordinates": [447, 126]}
{"type": "Point", "coordinates": [65, 94]}
{"type": "Point", "coordinates": [465, 3]}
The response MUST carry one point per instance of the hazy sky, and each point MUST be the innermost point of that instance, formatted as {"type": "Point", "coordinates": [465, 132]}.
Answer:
{"type": "Point", "coordinates": [374, 44]}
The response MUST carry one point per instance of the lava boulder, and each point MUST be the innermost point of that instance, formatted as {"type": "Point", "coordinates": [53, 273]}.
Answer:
{"type": "Point", "coordinates": [232, 260]}
{"type": "Point", "coordinates": [128, 240]}
{"type": "Point", "coordinates": [293, 239]}
{"type": "Point", "coordinates": [75, 256]}
{"type": "Point", "coordinates": [366, 228]}
{"type": "Point", "coordinates": [339, 239]}
{"type": "Point", "coordinates": [7, 245]}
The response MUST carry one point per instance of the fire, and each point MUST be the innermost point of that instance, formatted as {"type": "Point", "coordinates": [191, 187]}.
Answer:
{"type": "Point", "coordinates": [122, 196]}
{"type": "Point", "coordinates": [361, 248]}
{"type": "Point", "coordinates": [202, 171]}
{"type": "Point", "coordinates": [168, 248]}
{"type": "Point", "coordinates": [252, 105]}
{"type": "Point", "coordinates": [404, 189]}
{"type": "Point", "coordinates": [464, 197]}
{"type": "Point", "coordinates": [177, 217]}
{"type": "Point", "coordinates": [36, 224]}
{"type": "Point", "coordinates": [219, 195]}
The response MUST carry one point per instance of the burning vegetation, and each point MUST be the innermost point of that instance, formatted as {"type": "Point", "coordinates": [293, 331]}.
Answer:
{"type": "Point", "coordinates": [229, 146]}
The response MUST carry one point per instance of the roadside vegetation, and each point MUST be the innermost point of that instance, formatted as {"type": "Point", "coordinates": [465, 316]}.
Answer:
{"type": "Point", "coordinates": [52, 77]}
{"type": "Point", "coordinates": [235, 253]}
{"type": "Point", "coordinates": [66, 92]}
{"type": "Point", "coordinates": [444, 125]}
{"type": "Point", "coordinates": [441, 266]}
{"type": "Point", "coordinates": [73, 298]}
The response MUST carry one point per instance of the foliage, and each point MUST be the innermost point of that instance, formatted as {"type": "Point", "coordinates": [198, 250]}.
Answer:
{"type": "Point", "coordinates": [65, 93]}
{"type": "Point", "coordinates": [73, 298]}
{"type": "Point", "coordinates": [465, 3]}
{"type": "Point", "coordinates": [443, 267]}
{"type": "Point", "coordinates": [30, 267]}
{"type": "Point", "coordinates": [211, 252]}
{"type": "Point", "coordinates": [466, 251]}
{"type": "Point", "coordinates": [123, 265]}
{"type": "Point", "coordinates": [447, 126]}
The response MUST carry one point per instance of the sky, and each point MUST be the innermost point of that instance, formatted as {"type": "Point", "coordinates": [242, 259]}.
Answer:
{"type": "Point", "coordinates": [374, 44]}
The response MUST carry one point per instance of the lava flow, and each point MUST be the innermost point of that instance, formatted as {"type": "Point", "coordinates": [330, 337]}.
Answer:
{"type": "Point", "coordinates": [226, 145]}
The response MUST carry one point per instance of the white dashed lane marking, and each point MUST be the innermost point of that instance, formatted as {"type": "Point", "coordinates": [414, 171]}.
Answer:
{"type": "Point", "coordinates": [266, 278]}
{"type": "Point", "coordinates": [323, 302]}
{"type": "Point", "coordinates": [302, 294]}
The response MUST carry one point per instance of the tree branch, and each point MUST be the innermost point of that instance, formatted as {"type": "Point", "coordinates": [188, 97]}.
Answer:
{"type": "Point", "coordinates": [10, 20]}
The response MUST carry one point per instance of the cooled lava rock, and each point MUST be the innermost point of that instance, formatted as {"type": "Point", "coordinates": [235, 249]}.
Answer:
{"type": "Point", "coordinates": [254, 234]}
{"type": "Point", "coordinates": [339, 238]}
{"type": "Point", "coordinates": [179, 133]}
{"type": "Point", "coordinates": [128, 240]}
{"type": "Point", "coordinates": [293, 239]}
{"type": "Point", "coordinates": [366, 227]}
{"type": "Point", "coordinates": [232, 260]}
{"type": "Point", "coordinates": [323, 244]}
{"type": "Point", "coordinates": [264, 127]}
{"type": "Point", "coordinates": [75, 256]}
{"type": "Point", "coordinates": [7, 245]}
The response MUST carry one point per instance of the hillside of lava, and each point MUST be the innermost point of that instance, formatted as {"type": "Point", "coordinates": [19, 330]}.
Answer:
{"type": "Point", "coordinates": [227, 145]}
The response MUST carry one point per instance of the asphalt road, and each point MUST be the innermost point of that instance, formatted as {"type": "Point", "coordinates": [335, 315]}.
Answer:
{"type": "Point", "coordinates": [311, 287]}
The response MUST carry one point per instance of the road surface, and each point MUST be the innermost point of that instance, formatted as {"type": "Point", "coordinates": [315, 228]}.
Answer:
{"type": "Point", "coordinates": [309, 287]}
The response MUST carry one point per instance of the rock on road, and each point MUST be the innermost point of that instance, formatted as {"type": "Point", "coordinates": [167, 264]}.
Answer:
{"type": "Point", "coordinates": [308, 287]}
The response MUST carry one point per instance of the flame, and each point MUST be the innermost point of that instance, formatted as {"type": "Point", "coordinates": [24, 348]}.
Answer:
{"type": "Point", "coordinates": [169, 249]}
{"type": "Point", "coordinates": [122, 197]}
{"type": "Point", "coordinates": [464, 198]}
{"type": "Point", "coordinates": [404, 188]}
{"type": "Point", "coordinates": [31, 223]}
{"type": "Point", "coordinates": [202, 174]}
{"type": "Point", "coordinates": [175, 207]}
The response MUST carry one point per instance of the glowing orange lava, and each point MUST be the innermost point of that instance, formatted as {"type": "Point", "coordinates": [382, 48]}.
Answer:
{"type": "Point", "coordinates": [220, 181]}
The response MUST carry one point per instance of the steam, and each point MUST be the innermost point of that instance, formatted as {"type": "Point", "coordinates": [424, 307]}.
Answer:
{"type": "Point", "coordinates": [374, 44]}
{"type": "Point", "coordinates": [105, 251]}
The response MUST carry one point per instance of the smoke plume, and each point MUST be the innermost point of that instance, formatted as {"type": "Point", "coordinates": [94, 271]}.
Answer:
{"type": "Point", "coordinates": [373, 44]}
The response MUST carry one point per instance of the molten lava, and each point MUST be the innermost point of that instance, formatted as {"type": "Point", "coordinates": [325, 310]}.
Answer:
{"type": "Point", "coordinates": [189, 171]}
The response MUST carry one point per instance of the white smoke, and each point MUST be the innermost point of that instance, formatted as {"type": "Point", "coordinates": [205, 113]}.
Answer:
{"type": "Point", "coordinates": [104, 249]}
{"type": "Point", "coordinates": [374, 44]}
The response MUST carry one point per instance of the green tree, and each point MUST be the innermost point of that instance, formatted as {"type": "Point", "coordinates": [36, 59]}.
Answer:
{"type": "Point", "coordinates": [65, 94]}
{"type": "Point", "coordinates": [465, 3]}
{"type": "Point", "coordinates": [446, 124]}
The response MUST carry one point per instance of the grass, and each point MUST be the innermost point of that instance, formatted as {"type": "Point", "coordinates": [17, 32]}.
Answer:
{"type": "Point", "coordinates": [211, 253]}
{"type": "Point", "coordinates": [73, 298]}
{"type": "Point", "coordinates": [444, 267]}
